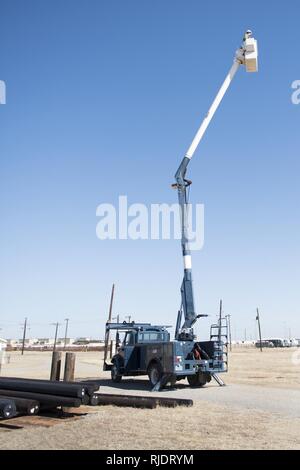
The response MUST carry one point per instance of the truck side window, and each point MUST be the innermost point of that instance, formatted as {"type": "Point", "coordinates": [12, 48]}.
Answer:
{"type": "Point", "coordinates": [129, 340]}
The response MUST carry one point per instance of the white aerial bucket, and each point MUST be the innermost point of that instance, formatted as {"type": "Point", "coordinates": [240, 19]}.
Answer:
{"type": "Point", "coordinates": [251, 54]}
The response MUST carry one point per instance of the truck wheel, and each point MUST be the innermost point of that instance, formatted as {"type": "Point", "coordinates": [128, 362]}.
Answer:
{"type": "Point", "coordinates": [193, 380]}
{"type": "Point", "coordinates": [199, 379]}
{"type": "Point", "coordinates": [154, 373]}
{"type": "Point", "coordinates": [115, 373]}
{"type": "Point", "coordinates": [208, 377]}
{"type": "Point", "coordinates": [202, 379]}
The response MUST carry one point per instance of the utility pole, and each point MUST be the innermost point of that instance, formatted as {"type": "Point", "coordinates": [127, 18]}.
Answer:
{"type": "Point", "coordinates": [220, 322]}
{"type": "Point", "coordinates": [24, 335]}
{"type": "Point", "coordinates": [117, 332]}
{"type": "Point", "coordinates": [285, 330]}
{"type": "Point", "coordinates": [66, 331]}
{"type": "Point", "coordinates": [129, 318]}
{"type": "Point", "coordinates": [108, 321]}
{"type": "Point", "coordinates": [229, 330]}
{"type": "Point", "coordinates": [245, 334]}
{"type": "Point", "coordinates": [259, 329]}
{"type": "Point", "coordinates": [55, 338]}
{"type": "Point", "coordinates": [111, 302]}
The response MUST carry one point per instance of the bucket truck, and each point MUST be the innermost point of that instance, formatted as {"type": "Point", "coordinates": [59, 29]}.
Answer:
{"type": "Point", "coordinates": [147, 349]}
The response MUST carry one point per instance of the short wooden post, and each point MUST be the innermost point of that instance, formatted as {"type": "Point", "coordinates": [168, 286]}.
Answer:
{"type": "Point", "coordinates": [55, 365]}
{"type": "Point", "coordinates": [69, 367]}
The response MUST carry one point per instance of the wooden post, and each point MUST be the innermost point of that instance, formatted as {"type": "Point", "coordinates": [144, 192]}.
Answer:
{"type": "Point", "coordinates": [69, 367]}
{"type": "Point", "coordinates": [55, 365]}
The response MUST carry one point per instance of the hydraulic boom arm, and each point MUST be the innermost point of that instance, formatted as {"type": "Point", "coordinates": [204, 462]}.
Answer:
{"type": "Point", "coordinates": [245, 55]}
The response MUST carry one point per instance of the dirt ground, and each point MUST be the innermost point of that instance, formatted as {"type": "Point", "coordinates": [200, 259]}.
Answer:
{"type": "Point", "coordinates": [252, 421]}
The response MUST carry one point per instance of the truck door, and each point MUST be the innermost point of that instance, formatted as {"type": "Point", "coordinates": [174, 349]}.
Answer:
{"type": "Point", "coordinates": [129, 344]}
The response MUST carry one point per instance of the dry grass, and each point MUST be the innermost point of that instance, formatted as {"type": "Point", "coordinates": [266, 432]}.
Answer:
{"type": "Point", "coordinates": [272, 367]}
{"type": "Point", "coordinates": [205, 426]}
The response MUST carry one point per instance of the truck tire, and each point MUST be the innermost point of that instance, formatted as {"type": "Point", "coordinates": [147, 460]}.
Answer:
{"type": "Point", "coordinates": [154, 373]}
{"type": "Point", "coordinates": [193, 380]}
{"type": "Point", "coordinates": [116, 377]}
{"type": "Point", "coordinates": [199, 379]}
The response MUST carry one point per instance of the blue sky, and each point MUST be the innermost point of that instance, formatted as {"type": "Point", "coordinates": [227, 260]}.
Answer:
{"type": "Point", "coordinates": [103, 99]}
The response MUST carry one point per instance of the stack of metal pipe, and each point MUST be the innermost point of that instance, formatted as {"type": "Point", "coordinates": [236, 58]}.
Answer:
{"type": "Point", "coordinates": [29, 396]}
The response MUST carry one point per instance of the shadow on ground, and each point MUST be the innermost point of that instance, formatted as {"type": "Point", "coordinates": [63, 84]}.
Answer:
{"type": "Point", "coordinates": [138, 384]}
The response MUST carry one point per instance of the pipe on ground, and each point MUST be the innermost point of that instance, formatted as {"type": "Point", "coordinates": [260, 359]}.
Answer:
{"type": "Point", "coordinates": [119, 400]}
{"type": "Point", "coordinates": [90, 388]}
{"type": "Point", "coordinates": [7, 408]}
{"type": "Point", "coordinates": [43, 387]}
{"type": "Point", "coordinates": [24, 405]}
{"type": "Point", "coordinates": [159, 401]}
{"type": "Point", "coordinates": [51, 401]}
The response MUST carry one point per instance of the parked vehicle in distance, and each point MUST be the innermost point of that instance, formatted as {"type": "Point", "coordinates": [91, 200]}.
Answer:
{"type": "Point", "coordinates": [277, 342]}
{"type": "Point", "coordinates": [264, 344]}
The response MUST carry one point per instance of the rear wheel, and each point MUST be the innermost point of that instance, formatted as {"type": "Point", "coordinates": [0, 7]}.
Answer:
{"type": "Point", "coordinates": [199, 379]}
{"type": "Point", "coordinates": [115, 373]}
{"type": "Point", "coordinates": [192, 380]}
{"type": "Point", "coordinates": [154, 373]}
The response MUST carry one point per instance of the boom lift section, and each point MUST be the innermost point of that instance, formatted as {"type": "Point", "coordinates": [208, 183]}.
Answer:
{"type": "Point", "coordinates": [246, 55]}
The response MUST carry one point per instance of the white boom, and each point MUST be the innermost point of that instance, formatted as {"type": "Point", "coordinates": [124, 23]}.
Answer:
{"type": "Point", "coordinates": [246, 55]}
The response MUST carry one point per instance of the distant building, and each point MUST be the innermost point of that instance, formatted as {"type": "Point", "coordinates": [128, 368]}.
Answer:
{"type": "Point", "coordinates": [82, 340]}
{"type": "Point", "coordinates": [3, 344]}
{"type": "Point", "coordinates": [12, 342]}
{"type": "Point", "coordinates": [45, 341]}
{"type": "Point", "coordinates": [67, 341]}
{"type": "Point", "coordinates": [28, 341]}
